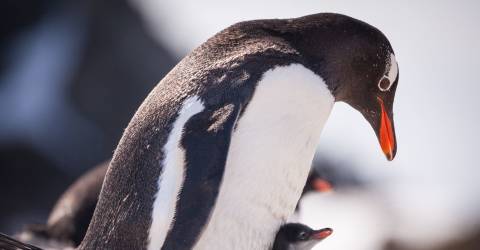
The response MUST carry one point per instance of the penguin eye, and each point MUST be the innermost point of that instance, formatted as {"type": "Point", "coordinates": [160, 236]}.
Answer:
{"type": "Point", "coordinates": [302, 235]}
{"type": "Point", "coordinates": [384, 84]}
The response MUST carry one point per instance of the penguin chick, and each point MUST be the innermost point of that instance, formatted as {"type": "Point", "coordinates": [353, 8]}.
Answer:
{"type": "Point", "coordinates": [296, 236]}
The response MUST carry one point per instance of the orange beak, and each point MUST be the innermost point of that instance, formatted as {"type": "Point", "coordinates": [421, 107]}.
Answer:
{"type": "Point", "coordinates": [322, 185]}
{"type": "Point", "coordinates": [386, 135]}
{"type": "Point", "coordinates": [322, 233]}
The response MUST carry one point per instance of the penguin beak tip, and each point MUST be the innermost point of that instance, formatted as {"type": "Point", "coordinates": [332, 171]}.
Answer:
{"type": "Point", "coordinates": [386, 134]}
{"type": "Point", "coordinates": [322, 233]}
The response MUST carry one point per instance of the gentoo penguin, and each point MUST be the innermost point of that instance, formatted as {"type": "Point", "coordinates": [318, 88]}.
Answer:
{"type": "Point", "coordinates": [194, 167]}
{"type": "Point", "coordinates": [295, 236]}
{"type": "Point", "coordinates": [68, 221]}
{"type": "Point", "coordinates": [316, 183]}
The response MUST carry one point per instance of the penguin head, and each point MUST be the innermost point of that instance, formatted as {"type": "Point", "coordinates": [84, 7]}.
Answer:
{"type": "Point", "coordinates": [301, 237]}
{"type": "Point", "coordinates": [357, 63]}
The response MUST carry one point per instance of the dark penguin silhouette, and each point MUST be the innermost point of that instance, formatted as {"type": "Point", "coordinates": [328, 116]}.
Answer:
{"type": "Point", "coordinates": [196, 159]}
{"type": "Point", "coordinates": [295, 236]}
{"type": "Point", "coordinates": [69, 219]}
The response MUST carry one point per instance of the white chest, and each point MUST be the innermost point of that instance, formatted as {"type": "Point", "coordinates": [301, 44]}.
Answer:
{"type": "Point", "coordinates": [269, 159]}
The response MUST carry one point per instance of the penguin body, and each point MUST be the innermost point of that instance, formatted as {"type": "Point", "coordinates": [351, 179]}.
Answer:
{"type": "Point", "coordinates": [270, 138]}
{"type": "Point", "coordinates": [186, 175]}
{"type": "Point", "coordinates": [181, 174]}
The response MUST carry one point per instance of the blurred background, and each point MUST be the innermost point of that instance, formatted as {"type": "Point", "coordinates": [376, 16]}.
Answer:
{"type": "Point", "coordinates": [72, 73]}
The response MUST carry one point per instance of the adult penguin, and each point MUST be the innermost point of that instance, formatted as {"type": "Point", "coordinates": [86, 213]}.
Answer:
{"type": "Point", "coordinates": [217, 155]}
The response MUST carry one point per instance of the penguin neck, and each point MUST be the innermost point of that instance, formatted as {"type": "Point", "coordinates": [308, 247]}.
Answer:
{"type": "Point", "coordinates": [269, 159]}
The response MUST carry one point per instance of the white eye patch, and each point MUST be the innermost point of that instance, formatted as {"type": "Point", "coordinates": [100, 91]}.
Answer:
{"type": "Point", "coordinates": [384, 84]}
{"type": "Point", "coordinates": [390, 76]}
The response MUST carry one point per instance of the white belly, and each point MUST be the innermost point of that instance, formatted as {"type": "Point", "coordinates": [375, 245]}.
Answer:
{"type": "Point", "coordinates": [269, 159]}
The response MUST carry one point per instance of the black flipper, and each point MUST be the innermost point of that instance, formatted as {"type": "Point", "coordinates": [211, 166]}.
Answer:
{"type": "Point", "coordinates": [8, 243]}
